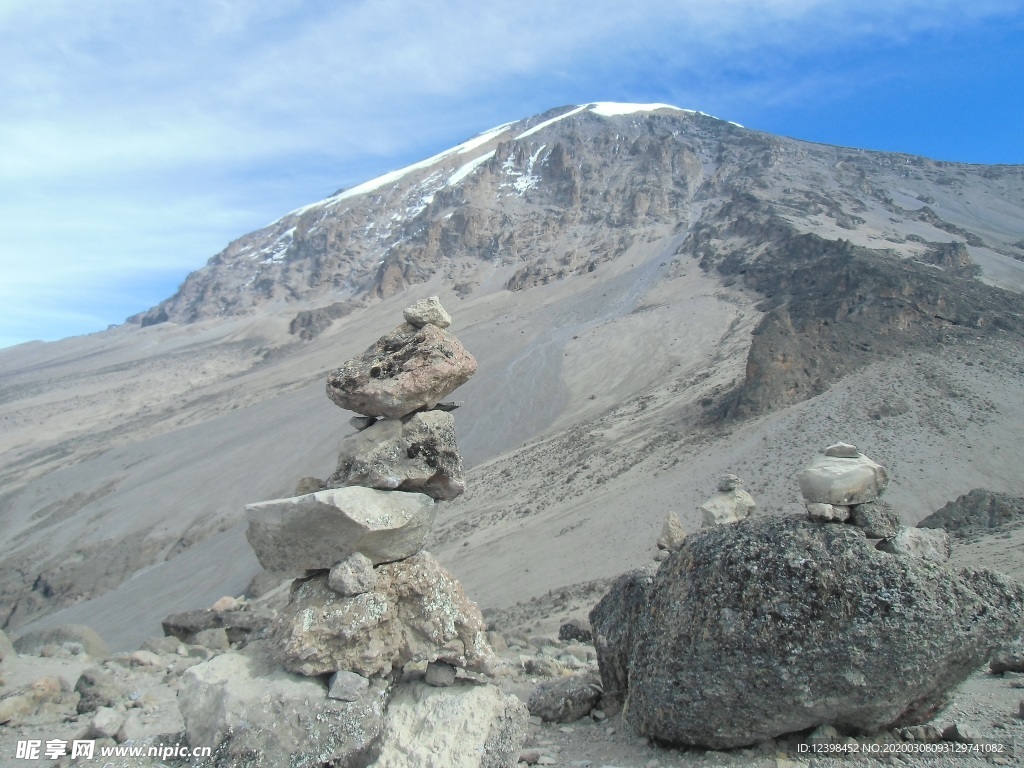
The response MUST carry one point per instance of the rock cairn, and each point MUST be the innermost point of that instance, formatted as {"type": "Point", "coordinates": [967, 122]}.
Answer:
{"type": "Point", "coordinates": [845, 486]}
{"type": "Point", "coordinates": [729, 504]}
{"type": "Point", "coordinates": [368, 600]}
{"type": "Point", "coordinates": [791, 624]}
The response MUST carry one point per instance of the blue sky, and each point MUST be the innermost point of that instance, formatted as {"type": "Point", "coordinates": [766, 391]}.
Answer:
{"type": "Point", "coordinates": [138, 138]}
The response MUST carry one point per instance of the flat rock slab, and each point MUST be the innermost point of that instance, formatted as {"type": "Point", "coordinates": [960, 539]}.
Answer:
{"type": "Point", "coordinates": [417, 453]}
{"type": "Point", "coordinates": [777, 625]}
{"type": "Point", "coordinates": [465, 725]}
{"type": "Point", "coordinates": [406, 370]}
{"type": "Point", "coordinates": [416, 611]}
{"type": "Point", "coordinates": [842, 481]}
{"type": "Point", "coordinates": [317, 530]}
{"type": "Point", "coordinates": [252, 712]}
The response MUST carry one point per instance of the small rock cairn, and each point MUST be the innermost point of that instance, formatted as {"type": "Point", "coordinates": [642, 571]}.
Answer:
{"type": "Point", "coordinates": [845, 486]}
{"type": "Point", "coordinates": [369, 600]}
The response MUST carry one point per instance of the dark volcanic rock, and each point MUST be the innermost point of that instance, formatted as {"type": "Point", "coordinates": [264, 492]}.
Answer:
{"type": "Point", "coordinates": [406, 370]}
{"type": "Point", "coordinates": [976, 512]}
{"type": "Point", "coordinates": [616, 621]}
{"type": "Point", "coordinates": [775, 625]}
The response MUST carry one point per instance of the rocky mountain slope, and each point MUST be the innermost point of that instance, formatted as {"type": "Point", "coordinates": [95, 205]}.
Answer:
{"type": "Point", "coordinates": [654, 296]}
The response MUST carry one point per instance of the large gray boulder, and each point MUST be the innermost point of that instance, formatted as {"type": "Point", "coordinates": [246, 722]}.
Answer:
{"type": "Point", "coordinates": [416, 611]}
{"type": "Point", "coordinates": [842, 480]}
{"type": "Point", "coordinates": [253, 713]}
{"type": "Point", "coordinates": [317, 530]}
{"type": "Point", "coordinates": [465, 725]}
{"type": "Point", "coordinates": [775, 625]}
{"type": "Point", "coordinates": [406, 370]}
{"type": "Point", "coordinates": [615, 622]}
{"type": "Point", "coordinates": [417, 453]}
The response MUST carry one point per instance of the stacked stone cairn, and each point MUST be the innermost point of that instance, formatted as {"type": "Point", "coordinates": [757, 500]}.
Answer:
{"type": "Point", "coordinates": [368, 601]}
{"type": "Point", "coordinates": [845, 486]}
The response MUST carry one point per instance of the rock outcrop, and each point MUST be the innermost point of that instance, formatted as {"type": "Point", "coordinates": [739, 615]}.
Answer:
{"type": "Point", "coordinates": [775, 625]}
{"type": "Point", "coordinates": [979, 511]}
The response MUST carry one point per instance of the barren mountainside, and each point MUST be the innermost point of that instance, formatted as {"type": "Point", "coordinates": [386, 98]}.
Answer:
{"type": "Point", "coordinates": [654, 296]}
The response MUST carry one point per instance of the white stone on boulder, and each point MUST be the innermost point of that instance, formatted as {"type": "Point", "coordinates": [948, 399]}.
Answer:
{"type": "Point", "coordinates": [842, 451]}
{"type": "Point", "coordinates": [927, 543]}
{"type": "Point", "coordinates": [724, 507]}
{"type": "Point", "coordinates": [842, 481]}
{"type": "Point", "coordinates": [827, 513]}
{"type": "Point", "coordinates": [465, 725]}
{"type": "Point", "coordinates": [317, 530]}
{"type": "Point", "coordinates": [427, 311]}
{"type": "Point", "coordinates": [672, 532]}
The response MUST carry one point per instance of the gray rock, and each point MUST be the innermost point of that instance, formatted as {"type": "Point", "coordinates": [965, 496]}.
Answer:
{"type": "Point", "coordinates": [417, 453]}
{"type": "Point", "coordinates": [926, 543]}
{"type": "Point", "coordinates": [215, 639]}
{"type": "Point", "coordinates": [542, 666]}
{"type": "Point", "coordinates": [466, 725]}
{"type": "Point", "coordinates": [565, 699]}
{"type": "Point", "coordinates": [814, 626]}
{"type": "Point", "coordinates": [238, 625]}
{"type": "Point", "coordinates": [439, 674]}
{"type": "Point", "coordinates": [672, 532]}
{"type": "Point", "coordinates": [1009, 658]}
{"type": "Point", "coordinates": [427, 311]}
{"type": "Point", "coordinates": [725, 507]}
{"type": "Point", "coordinates": [878, 519]}
{"type": "Point", "coordinates": [32, 642]}
{"type": "Point", "coordinates": [347, 686]}
{"type": "Point", "coordinates": [165, 646]}
{"type": "Point", "coordinates": [98, 688]}
{"type": "Point", "coordinates": [576, 629]}
{"type": "Point", "coordinates": [843, 481]}
{"type": "Point", "coordinates": [362, 422]}
{"type": "Point", "coordinates": [497, 641]}
{"type": "Point", "coordinates": [976, 512]}
{"type": "Point", "coordinates": [406, 370]}
{"type": "Point", "coordinates": [252, 712]}
{"type": "Point", "coordinates": [417, 611]}
{"type": "Point", "coordinates": [963, 733]}
{"type": "Point", "coordinates": [728, 482]}
{"type": "Point", "coordinates": [827, 513]}
{"type": "Point", "coordinates": [105, 723]}
{"type": "Point", "coordinates": [320, 529]}
{"type": "Point", "coordinates": [353, 575]}
{"type": "Point", "coordinates": [842, 451]}
{"type": "Point", "coordinates": [164, 725]}
{"type": "Point", "coordinates": [615, 622]}
{"type": "Point", "coordinates": [308, 485]}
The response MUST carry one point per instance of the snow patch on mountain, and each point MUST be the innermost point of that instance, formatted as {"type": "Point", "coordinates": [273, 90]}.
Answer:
{"type": "Point", "coordinates": [468, 168]}
{"type": "Point", "coordinates": [546, 123]}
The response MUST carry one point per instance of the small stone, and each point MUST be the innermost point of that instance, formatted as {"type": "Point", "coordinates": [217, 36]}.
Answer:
{"type": "Point", "coordinates": [105, 723]}
{"type": "Point", "coordinates": [439, 674]}
{"type": "Point", "coordinates": [565, 699]}
{"type": "Point", "coordinates": [497, 642]}
{"type": "Point", "coordinates": [144, 659]}
{"type": "Point", "coordinates": [824, 734]}
{"type": "Point", "coordinates": [427, 312]}
{"type": "Point", "coordinates": [353, 576]}
{"type": "Point", "coordinates": [542, 667]}
{"type": "Point", "coordinates": [842, 451]}
{"type": "Point", "coordinates": [662, 555]}
{"type": "Point", "coordinates": [226, 603]}
{"type": "Point", "coordinates": [215, 639]}
{"type": "Point", "coordinates": [1009, 658]}
{"type": "Point", "coordinates": [362, 422]}
{"type": "Point", "coordinates": [962, 733]}
{"type": "Point", "coordinates": [672, 532]}
{"type": "Point", "coordinates": [597, 714]}
{"type": "Point", "coordinates": [546, 760]}
{"type": "Point", "coordinates": [576, 629]}
{"type": "Point", "coordinates": [729, 482]}
{"type": "Point", "coordinates": [347, 686]}
{"type": "Point", "coordinates": [827, 513]}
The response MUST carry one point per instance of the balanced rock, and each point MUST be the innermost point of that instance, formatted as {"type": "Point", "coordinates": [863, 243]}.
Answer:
{"type": "Point", "coordinates": [406, 370]}
{"type": "Point", "coordinates": [724, 507]}
{"type": "Point", "coordinates": [427, 312]}
{"type": "Point", "coordinates": [319, 529]}
{"type": "Point", "coordinates": [252, 712]}
{"type": "Point", "coordinates": [788, 625]}
{"type": "Point", "coordinates": [927, 543]}
{"type": "Point", "coordinates": [465, 725]}
{"type": "Point", "coordinates": [353, 575]}
{"type": "Point", "coordinates": [417, 453]}
{"type": "Point", "coordinates": [828, 513]}
{"type": "Point", "coordinates": [416, 611]}
{"type": "Point", "coordinates": [842, 451]}
{"type": "Point", "coordinates": [729, 482]}
{"type": "Point", "coordinates": [878, 519]}
{"type": "Point", "coordinates": [842, 480]}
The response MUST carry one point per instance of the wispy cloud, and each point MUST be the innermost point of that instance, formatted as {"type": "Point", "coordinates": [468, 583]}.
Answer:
{"type": "Point", "coordinates": [140, 137]}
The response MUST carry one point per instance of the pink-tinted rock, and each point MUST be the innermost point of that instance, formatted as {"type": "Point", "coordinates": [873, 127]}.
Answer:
{"type": "Point", "coordinates": [406, 370]}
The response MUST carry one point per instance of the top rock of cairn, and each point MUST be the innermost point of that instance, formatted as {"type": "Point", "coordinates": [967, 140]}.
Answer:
{"type": "Point", "coordinates": [411, 368]}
